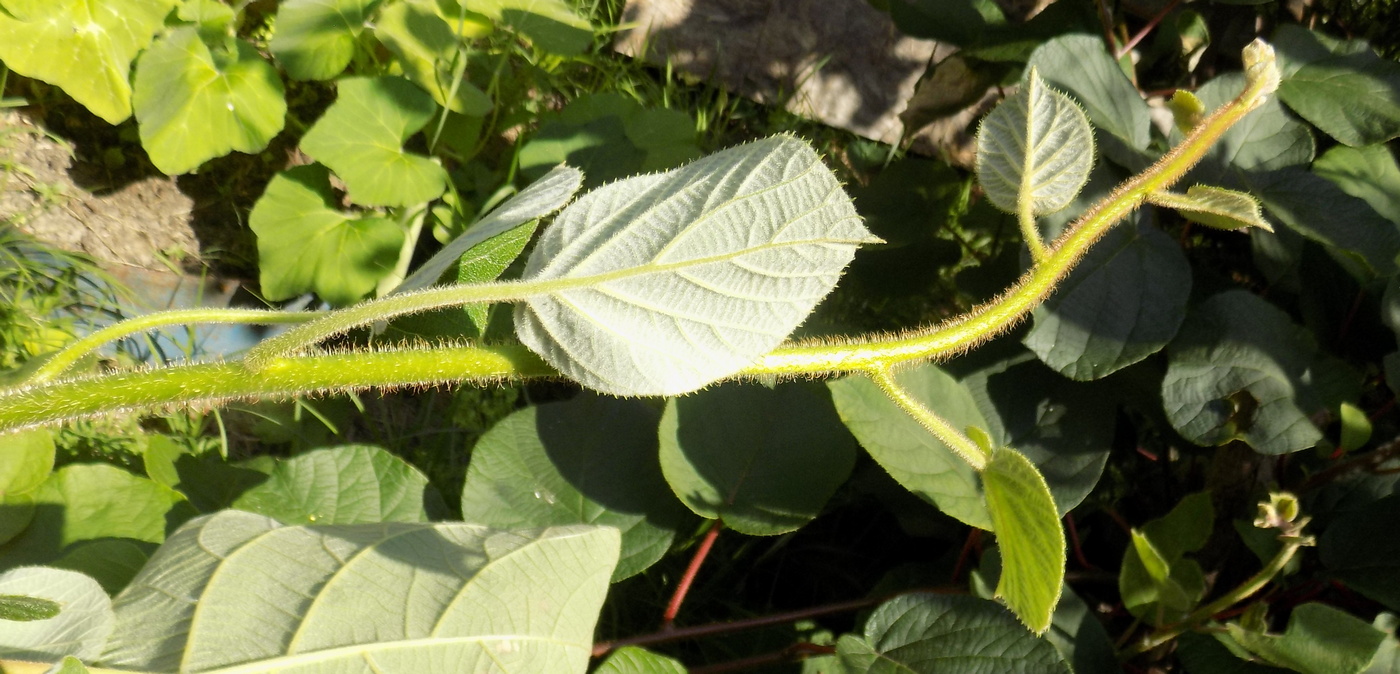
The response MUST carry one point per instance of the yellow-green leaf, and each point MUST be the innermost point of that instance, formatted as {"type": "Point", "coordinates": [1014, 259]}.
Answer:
{"type": "Point", "coordinates": [1214, 207]}
{"type": "Point", "coordinates": [1027, 526]}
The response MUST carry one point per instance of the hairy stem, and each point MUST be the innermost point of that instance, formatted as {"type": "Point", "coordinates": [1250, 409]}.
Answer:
{"type": "Point", "coordinates": [946, 433]}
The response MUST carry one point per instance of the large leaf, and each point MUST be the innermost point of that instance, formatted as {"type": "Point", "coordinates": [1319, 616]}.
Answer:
{"type": "Point", "coordinates": [315, 39]}
{"type": "Point", "coordinates": [361, 138]}
{"type": "Point", "coordinates": [1122, 303]}
{"type": "Point", "coordinates": [1361, 549]}
{"type": "Point", "coordinates": [1266, 139]}
{"type": "Point", "coordinates": [306, 245]}
{"type": "Point", "coordinates": [1353, 97]}
{"type": "Point", "coordinates": [1321, 211]}
{"type": "Point", "coordinates": [29, 457]}
{"type": "Point", "coordinates": [768, 468]}
{"type": "Point", "coordinates": [1319, 639]}
{"type": "Point", "coordinates": [1235, 371]}
{"type": "Point", "coordinates": [1368, 173]}
{"type": "Point", "coordinates": [84, 47]}
{"type": "Point", "coordinates": [350, 484]}
{"type": "Point", "coordinates": [552, 25]}
{"type": "Point", "coordinates": [662, 283]}
{"type": "Point", "coordinates": [194, 105]}
{"type": "Point", "coordinates": [80, 628]}
{"type": "Point", "coordinates": [238, 589]}
{"type": "Point", "coordinates": [590, 460]}
{"type": "Point", "coordinates": [610, 136]}
{"type": "Point", "coordinates": [946, 634]}
{"type": "Point", "coordinates": [1028, 530]}
{"type": "Point", "coordinates": [959, 22]}
{"type": "Point", "coordinates": [1083, 67]}
{"type": "Point", "coordinates": [431, 54]}
{"type": "Point", "coordinates": [1034, 150]}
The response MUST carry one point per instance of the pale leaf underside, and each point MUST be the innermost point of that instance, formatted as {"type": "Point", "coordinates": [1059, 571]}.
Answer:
{"type": "Point", "coordinates": [1036, 146]}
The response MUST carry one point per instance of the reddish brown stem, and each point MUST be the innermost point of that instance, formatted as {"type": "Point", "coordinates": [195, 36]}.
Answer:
{"type": "Point", "coordinates": [1151, 24]}
{"type": "Point", "coordinates": [974, 536]}
{"type": "Point", "coordinates": [683, 587]}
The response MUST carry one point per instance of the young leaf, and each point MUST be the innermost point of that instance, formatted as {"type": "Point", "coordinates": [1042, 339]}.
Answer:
{"type": "Point", "coordinates": [432, 56]}
{"type": "Point", "coordinates": [1187, 110]}
{"type": "Point", "coordinates": [79, 628]}
{"type": "Point", "coordinates": [306, 245]}
{"type": "Point", "coordinates": [315, 39]}
{"type": "Point", "coordinates": [663, 283]}
{"type": "Point", "coordinates": [946, 634]}
{"type": "Point", "coordinates": [238, 589]}
{"type": "Point", "coordinates": [1027, 526]}
{"type": "Point", "coordinates": [194, 105]}
{"type": "Point", "coordinates": [349, 484]}
{"type": "Point", "coordinates": [84, 48]}
{"type": "Point", "coordinates": [1319, 639]}
{"type": "Point", "coordinates": [487, 261]}
{"type": "Point", "coordinates": [1214, 207]}
{"type": "Point", "coordinates": [361, 138]}
{"type": "Point", "coordinates": [769, 468]}
{"type": "Point", "coordinates": [1034, 150]}
{"type": "Point", "coordinates": [590, 460]}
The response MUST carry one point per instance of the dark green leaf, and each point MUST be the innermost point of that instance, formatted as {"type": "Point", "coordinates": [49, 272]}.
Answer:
{"type": "Point", "coordinates": [1083, 68]}
{"type": "Point", "coordinates": [315, 39]}
{"type": "Point", "coordinates": [1319, 640]}
{"type": "Point", "coordinates": [350, 484]}
{"type": "Point", "coordinates": [1354, 98]}
{"type": "Point", "coordinates": [112, 562]}
{"type": "Point", "coordinates": [1122, 303]}
{"type": "Point", "coordinates": [957, 22]}
{"type": "Point", "coordinates": [23, 608]}
{"type": "Point", "coordinates": [1156, 581]}
{"type": "Point", "coordinates": [1204, 654]}
{"type": "Point", "coordinates": [1321, 211]}
{"type": "Point", "coordinates": [1368, 173]}
{"type": "Point", "coordinates": [591, 460]}
{"type": "Point", "coordinates": [1265, 140]}
{"type": "Point", "coordinates": [610, 136]}
{"type": "Point", "coordinates": [1362, 550]}
{"type": "Point", "coordinates": [946, 634]}
{"type": "Point", "coordinates": [768, 467]}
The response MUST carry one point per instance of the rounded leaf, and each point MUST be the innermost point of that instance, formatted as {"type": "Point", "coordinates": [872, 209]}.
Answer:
{"type": "Point", "coordinates": [1034, 150]}
{"type": "Point", "coordinates": [340, 485]}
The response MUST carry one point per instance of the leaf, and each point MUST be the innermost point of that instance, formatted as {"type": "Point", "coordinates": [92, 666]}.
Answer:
{"type": "Point", "coordinates": [590, 460]}
{"type": "Point", "coordinates": [1156, 581]}
{"type": "Point", "coordinates": [22, 608]}
{"type": "Point", "coordinates": [633, 660]}
{"type": "Point", "coordinates": [946, 634]}
{"type": "Point", "coordinates": [541, 198]}
{"type": "Point", "coordinates": [1319, 639]}
{"type": "Point", "coordinates": [194, 105]}
{"type": "Point", "coordinates": [1081, 66]}
{"type": "Point", "coordinates": [1361, 550]}
{"type": "Point", "coordinates": [768, 468]}
{"type": "Point", "coordinates": [550, 25]}
{"type": "Point", "coordinates": [361, 138]}
{"type": "Point", "coordinates": [81, 46]}
{"type": "Point", "coordinates": [1027, 526]}
{"type": "Point", "coordinates": [958, 22]}
{"type": "Point", "coordinates": [1121, 304]}
{"type": "Point", "coordinates": [349, 484]}
{"type": "Point", "coordinates": [306, 245]}
{"type": "Point", "coordinates": [1368, 173]}
{"type": "Point", "coordinates": [609, 137]}
{"type": "Point", "coordinates": [1354, 97]}
{"type": "Point", "coordinates": [1356, 428]}
{"type": "Point", "coordinates": [29, 457]}
{"type": "Point", "coordinates": [1214, 207]}
{"type": "Point", "coordinates": [316, 39]}
{"type": "Point", "coordinates": [79, 629]}
{"type": "Point", "coordinates": [431, 54]}
{"type": "Point", "coordinates": [238, 589]}
{"type": "Point", "coordinates": [1235, 371]}
{"type": "Point", "coordinates": [1204, 654]}
{"type": "Point", "coordinates": [68, 665]}
{"type": "Point", "coordinates": [112, 562]}
{"type": "Point", "coordinates": [84, 502]}
{"type": "Point", "coordinates": [1035, 148]}
{"type": "Point", "coordinates": [667, 282]}
{"type": "Point", "coordinates": [1321, 211]}
{"type": "Point", "coordinates": [1266, 139]}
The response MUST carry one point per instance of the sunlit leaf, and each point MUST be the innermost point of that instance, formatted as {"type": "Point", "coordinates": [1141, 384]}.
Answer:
{"type": "Point", "coordinates": [80, 627]}
{"type": "Point", "coordinates": [666, 282]}
{"type": "Point", "coordinates": [432, 56]}
{"type": "Point", "coordinates": [1028, 530]}
{"type": "Point", "coordinates": [349, 484]}
{"type": "Point", "coordinates": [1268, 138]}
{"type": "Point", "coordinates": [315, 39]}
{"type": "Point", "coordinates": [1214, 207]}
{"type": "Point", "coordinates": [29, 457]}
{"type": "Point", "coordinates": [84, 47]}
{"type": "Point", "coordinates": [1036, 149]}
{"type": "Point", "coordinates": [194, 105]}
{"type": "Point", "coordinates": [633, 660]}
{"type": "Point", "coordinates": [361, 138]}
{"type": "Point", "coordinates": [238, 589]}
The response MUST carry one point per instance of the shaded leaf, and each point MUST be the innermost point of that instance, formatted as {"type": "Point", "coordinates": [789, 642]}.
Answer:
{"type": "Point", "coordinates": [1028, 531]}
{"type": "Point", "coordinates": [361, 137]}
{"type": "Point", "coordinates": [306, 245]}
{"type": "Point", "coordinates": [112, 562]}
{"type": "Point", "coordinates": [431, 54]}
{"type": "Point", "coordinates": [958, 22]}
{"type": "Point", "coordinates": [1353, 97]}
{"type": "Point", "coordinates": [80, 628]}
{"type": "Point", "coordinates": [1157, 582]}
{"type": "Point", "coordinates": [768, 468]}
{"type": "Point", "coordinates": [1034, 150]}
{"type": "Point", "coordinates": [1214, 207]}
{"type": "Point", "coordinates": [1368, 173]}
{"type": "Point", "coordinates": [194, 105]}
{"type": "Point", "coordinates": [609, 136]}
{"type": "Point", "coordinates": [82, 47]}
{"type": "Point", "coordinates": [590, 460]}
{"type": "Point", "coordinates": [551, 25]}
{"type": "Point", "coordinates": [1204, 654]}
{"type": "Point", "coordinates": [349, 484]}
{"type": "Point", "coordinates": [316, 39]}
{"type": "Point", "coordinates": [1266, 139]}
{"type": "Point", "coordinates": [667, 282]}
{"type": "Point", "coordinates": [1319, 639]}
{"type": "Point", "coordinates": [1321, 211]}
{"type": "Point", "coordinates": [1082, 67]}
{"type": "Point", "coordinates": [1360, 548]}
{"type": "Point", "coordinates": [398, 597]}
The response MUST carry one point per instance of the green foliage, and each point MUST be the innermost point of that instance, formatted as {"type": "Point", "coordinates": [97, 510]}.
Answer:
{"type": "Point", "coordinates": [79, 627]}
{"type": "Point", "coordinates": [1028, 531]}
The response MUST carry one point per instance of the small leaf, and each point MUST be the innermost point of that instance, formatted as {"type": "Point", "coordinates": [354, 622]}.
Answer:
{"type": "Point", "coordinates": [80, 625]}
{"type": "Point", "coordinates": [68, 665]}
{"type": "Point", "coordinates": [1187, 110]}
{"type": "Point", "coordinates": [238, 589]}
{"type": "Point", "coordinates": [306, 245]}
{"type": "Point", "coordinates": [22, 608]}
{"type": "Point", "coordinates": [1027, 526]}
{"type": "Point", "coordinates": [431, 55]}
{"type": "Point", "coordinates": [486, 261]}
{"type": "Point", "coordinates": [193, 105]}
{"type": "Point", "coordinates": [1034, 148]}
{"type": "Point", "coordinates": [1319, 639]}
{"type": "Point", "coordinates": [1354, 98]}
{"type": "Point", "coordinates": [633, 660]}
{"type": "Point", "coordinates": [590, 460]}
{"type": "Point", "coordinates": [349, 484]}
{"type": "Point", "coordinates": [316, 39]}
{"type": "Point", "coordinates": [667, 282]}
{"type": "Point", "coordinates": [361, 138]}
{"type": "Point", "coordinates": [1356, 428]}
{"type": "Point", "coordinates": [1214, 207]}
{"type": "Point", "coordinates": [84, 48]}
{"type": "Point", "coordinates": [946, 634]}
{"type": "Point", "coordinates": [769, 468]}
{"type": "Point", "coordinates": [1155, 579]}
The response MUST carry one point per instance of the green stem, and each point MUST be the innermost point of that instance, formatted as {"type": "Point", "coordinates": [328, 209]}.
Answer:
{"type": "Point", "coordinates": [1203, 614]}
{"type": "Point", "coordinates": [63, 360]}
{"type": "Point", "coordinates": [1026, 217]}
{"type": "Point", "coordinates": [946, 433]}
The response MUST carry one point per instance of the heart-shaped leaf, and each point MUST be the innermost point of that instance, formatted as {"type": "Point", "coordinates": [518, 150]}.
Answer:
{"type": "Point", "coordinates": [193, 106]}
{"type": "Point", "coordinates": [361, 138]}
{"type": "Point", "coordinates": [315, 39]}
{"type": "Point", "coordinates": [662, 283]}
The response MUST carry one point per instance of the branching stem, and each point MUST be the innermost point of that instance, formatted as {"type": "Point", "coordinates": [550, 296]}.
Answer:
{"type": "Point", "coordinates": [946, 433]}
